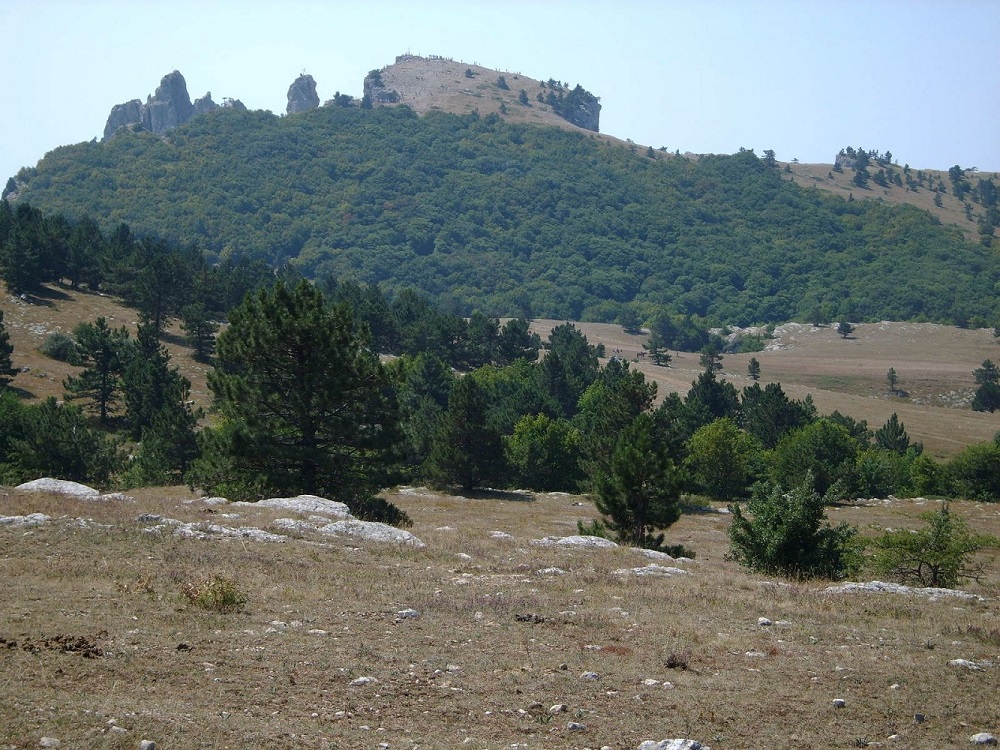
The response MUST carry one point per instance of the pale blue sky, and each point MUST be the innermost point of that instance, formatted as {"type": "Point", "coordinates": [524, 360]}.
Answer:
{"type": "Point", "coordinates": [805, 78]}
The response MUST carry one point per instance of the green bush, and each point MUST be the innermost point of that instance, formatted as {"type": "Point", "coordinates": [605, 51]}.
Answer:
{"type": "Point", "coordinates": [60, 346]}
{"type": "Point", "coordinates": [975, 473]}
{"type": "Point", "coordinates": [787, 534]}
{"type": "Point", "coordinates": [937, 555]}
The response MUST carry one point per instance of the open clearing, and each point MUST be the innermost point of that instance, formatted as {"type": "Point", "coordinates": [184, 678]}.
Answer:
{"type": "Point", "coordinates": [469, 641]}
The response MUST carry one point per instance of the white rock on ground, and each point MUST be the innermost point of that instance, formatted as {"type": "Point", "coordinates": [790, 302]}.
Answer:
{"type": "Point", "coordinates": [574, 541]}
{"type": "Point", "coordinates": [62, 486]}
{"type": "Point", "coordinates": [305, 504]}
{"type": "Point", "coordinates": [896, 588]}
{"type": "Point", "coordinates": [32, 519]}
{"type": "Point", "coordinates": [983, 738]}
{"type": "Point", "coordinates": [214, 531]}
{"type": "Point", "coordinates": [673, 745]}
{"type": "Point", "coordinates": [974, 666]}
{"type": "Point", "coordinates": [371, 531]}
{"type": "Point", "coordinates": [652, 570]}
{"type": "Point", "coordinates": [653, 554]}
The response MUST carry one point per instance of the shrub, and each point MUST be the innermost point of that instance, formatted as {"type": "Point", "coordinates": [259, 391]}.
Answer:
{"type": "Point", "coordinates": [59, 346]}
{"type": "Point", "coordinates": [937, 555]}
{"type": "Point", "coordinates": [788, 534]}
{"type": "Point", "coordinates": [219, 594]}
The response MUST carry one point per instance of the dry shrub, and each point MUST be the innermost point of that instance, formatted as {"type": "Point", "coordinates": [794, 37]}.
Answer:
{"type": "Point", "coordinates": [218, 594]}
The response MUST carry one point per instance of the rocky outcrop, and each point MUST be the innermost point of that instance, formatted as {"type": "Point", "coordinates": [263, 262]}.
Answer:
{"type": "Point", "coordinates": [204, 104]}
{"type": "Point", "coordinates": [168, 107]}
{"type": "Point", "coordinates": [302, 95]}
{"type": "Point", "coordinates": [123, 115]}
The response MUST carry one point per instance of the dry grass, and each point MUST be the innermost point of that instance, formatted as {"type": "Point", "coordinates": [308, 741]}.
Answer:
{"type": "Point", "coordinates": [496, 644]}
{"type": "Point", "coordinates": [951, 210]}
{"type": "Point", "coordinates": [934, 364]}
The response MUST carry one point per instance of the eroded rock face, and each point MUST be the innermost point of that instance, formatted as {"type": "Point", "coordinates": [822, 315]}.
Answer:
{"type": "Point", "coordinates": [123, 115]}
{"type": "Point", "coordinates": [204, 104]}
{"type": "Point", "coordinates": [169, 106]}
{"type": "Point", "coordinates": [302, 95]}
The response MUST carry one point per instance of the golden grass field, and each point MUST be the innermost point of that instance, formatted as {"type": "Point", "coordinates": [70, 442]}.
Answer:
{"type": "Point", "coordinates": [95, 633]}
{"type": "Point", "coordinates": [101, 649]}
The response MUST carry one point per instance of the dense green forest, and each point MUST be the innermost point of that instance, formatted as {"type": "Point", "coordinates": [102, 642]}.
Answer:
{"type": "Point", "coordinates": [519, 220]}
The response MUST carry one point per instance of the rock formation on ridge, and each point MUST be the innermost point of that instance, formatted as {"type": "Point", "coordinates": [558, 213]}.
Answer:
{"type": "Point", "coordinates": [302, 95]}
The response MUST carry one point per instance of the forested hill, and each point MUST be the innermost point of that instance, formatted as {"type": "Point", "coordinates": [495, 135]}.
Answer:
{"type": "Point", "coordinates": [520, 219]}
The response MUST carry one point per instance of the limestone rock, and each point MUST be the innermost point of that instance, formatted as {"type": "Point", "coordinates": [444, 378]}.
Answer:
{"type": "Point", "coordinates": [32, 519]}
{"type": "Point", "coordinates": [673, 745]}
{"type": "Point", "coordinates": [204, 104]}
{"type": "Point", "coordinates": [123, 115]}
{"type": "Point", "coordinates": [574, 541]}
{"type": "Point", "coordinates": [169, 106]}
{"type": "Point", "coordinates": [983, 738]}
{"type": "Point", "coordinates": [302, 95]}
{"type": "Point", "coordinates": [372, 531]}
{"type": "Point", "coordinates": [304, 504]}
{"type": "Point", "coordinates": [62, 486]}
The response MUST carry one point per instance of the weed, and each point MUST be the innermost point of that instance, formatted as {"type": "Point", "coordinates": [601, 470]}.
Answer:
{"type": "Point", "coordinates": [218, 594]}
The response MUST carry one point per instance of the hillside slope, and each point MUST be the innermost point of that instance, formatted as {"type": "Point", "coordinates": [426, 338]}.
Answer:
{"type": "Point", "coordinates": [521, 218]}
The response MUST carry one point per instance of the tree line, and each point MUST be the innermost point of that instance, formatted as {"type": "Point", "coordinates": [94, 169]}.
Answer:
{"type": "Point", "coordinates": [302, 403]}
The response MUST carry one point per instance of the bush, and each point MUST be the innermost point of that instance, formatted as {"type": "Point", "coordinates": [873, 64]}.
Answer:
{"type": "Point", "coordinates": [975, 473]}
{"type": "Point", "coordinates": [937, 555]}
{"type": "Point", "coordinates": [218, 594]}
{"type": "Point", "coordinates": [60, 346]}
{"type": "Point", "coordinates": [788, 535]}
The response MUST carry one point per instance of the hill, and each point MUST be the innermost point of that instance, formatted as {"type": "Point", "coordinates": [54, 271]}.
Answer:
{"type": "Point", "coordinates": [952, 210]}
{"type": "Point", "coordinates": [513, 218]}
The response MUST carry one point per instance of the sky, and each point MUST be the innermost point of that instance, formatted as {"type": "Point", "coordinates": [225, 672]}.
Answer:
{"type": "Point", "coordinates": [919, 78]}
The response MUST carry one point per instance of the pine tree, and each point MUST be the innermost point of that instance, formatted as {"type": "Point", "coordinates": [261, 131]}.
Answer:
{"type": "Point", "coordinates": [7, 369]}
{"type": "Point", "coordinates": [640, 494]}
{"type": "Point", "coordinates": [467, 452]}
{"type": "Point", "coordinates": [753, 368]}
{"type": "Point", "coordinates": [892, 436]}
{"type": "Point", "coordinates": [101, 351]}
{"type": "Point", "coordinates": [305, 405]}
{"type": "Point", "coordinates": [200, 331]}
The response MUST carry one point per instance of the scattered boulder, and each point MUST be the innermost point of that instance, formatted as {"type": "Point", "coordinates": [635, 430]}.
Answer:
{"type": "Point", "coordinates": [362, 681]}
{"type": "Point", "coordinates": [32, 519]}
{"type": "Point", "coordinates": [371, 531]}
{"type": "Point", "coordinates": [972, 666]}
{"type": "Point", "coordinates": [62, 486]}
{"type": "Point", "coordinates": [304, 504]}
{"type": "Point", "coordinates": [302, 95]}
{"type": "Point", "coordinates": [212, 531]}
{"type": "Point", "coordinates": [839, 703]}
{"type": "Point", "coordinates": [983, 738]}
{"type": "Point", "coordinates": [574, 541]}
{"type": "Point", "coordinates": [673, 745]}
{"type": "Point", "coordinates": [882, 587]}
{"type": "Point", "coordinates": [652, 570]}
